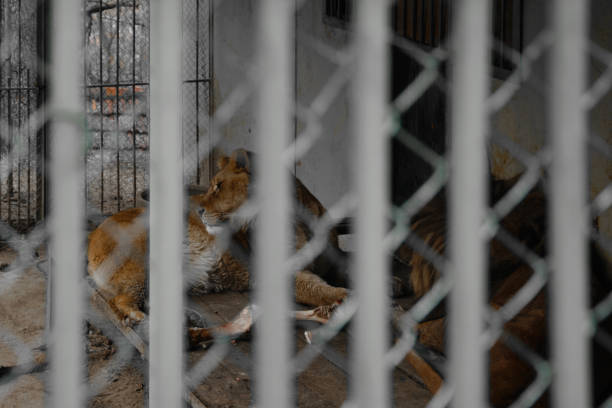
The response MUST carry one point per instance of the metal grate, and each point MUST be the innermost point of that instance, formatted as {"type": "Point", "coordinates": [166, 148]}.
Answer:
{"type": "Point", "coordinates": [116, 78]}
{"type": "Point", "coordinates": [197, 90]}
{"type": "Point", "coordinates": [21, 95]}
{"type": "Point", "coordinates": [427, 23]}
{"type": "Point", "coordinates": [116, 74]}
{"type": "Point", "coordinates": [338, 12]}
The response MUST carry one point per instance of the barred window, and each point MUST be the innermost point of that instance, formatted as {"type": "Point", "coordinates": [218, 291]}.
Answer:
{"type": "Point", "coordinates": [426, 22]}
{"type": "Point", "coordinates": [338, 12]}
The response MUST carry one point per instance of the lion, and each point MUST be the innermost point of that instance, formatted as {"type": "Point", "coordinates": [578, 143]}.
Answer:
{"type": "Point", "coordinates": [216, 248]}
{"type": "Point", "coordinates": [509, 374]}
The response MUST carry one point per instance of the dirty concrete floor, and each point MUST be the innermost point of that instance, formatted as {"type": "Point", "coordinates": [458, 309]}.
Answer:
{"type": "Point", "coordinates": [22, 328]}
{"type": "Point", "coordinates": [117, 373]}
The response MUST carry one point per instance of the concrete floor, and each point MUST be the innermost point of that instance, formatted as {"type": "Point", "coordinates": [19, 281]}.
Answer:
{"type": "Point", "coordinates": [22, 317]}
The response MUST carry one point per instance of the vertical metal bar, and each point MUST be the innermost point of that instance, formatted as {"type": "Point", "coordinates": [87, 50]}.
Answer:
{"type": "Point", "coordinates": [211, 101]}
{"type": "Point", "coordinates": [495, 18]}
{"type": "Point", "coordinates": [569, 280]}
{"type": "Point", "coordinates": [41, 134]}
{"type": "Point", "coordinates": [295, 89]}
{"type": "Point", "coordinates": [19, 113]}
{"type": "Point", "coordinates": [166, 208]}
{"type": "Point", "coordinates": [3, 135]}
{"type": "Point", "coordinates": [371, 375]}
{"type": "Point", "coordinates": [521, 30]}
{"type": "Point", "coordinates": [29, 162]}
{"type": "Point", "coordinates": [4, 129]}
{"type": "Point", "coordinates": [134, 101]}
{"type": "Point", "coordinates": [409, 13]}
{"type": "Point", "coordinates": [418, 20]}
{"type": "Point", "coordinates": [101, 81]}
{"type": "Point", "coordinates": [399, 20]}
{"type": "Point", "coordinates": [428, 16]}
{"type": "Point", "coordinates": [502, 31]}
{"type": "Point", "coordinates": [436, 23]}
{"type": "Point", "coordinates": [197, 86]}
{"type": "Point", "coordinates": [517, 28]}
{"type": "Point", "coordinates": [9, 187]}
{"type": "Point", "coordinates": [66, 209]}
{"type": "Point", "coordinates": [117, 56]}
{"type": "Point", "coordinates": [274, 377]}
{"type": "Point", "coordinates": [468, 188]}
{"type": "Point", "coordinates": [86, 93]}
{"type": "Point", "coordinates": [444, 20]}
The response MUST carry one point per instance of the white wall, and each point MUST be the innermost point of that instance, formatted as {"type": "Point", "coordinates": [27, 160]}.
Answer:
{"type": "Point", "coordinates": [234, 29]}
{"type": "Point", "coordinates": [325, 168]}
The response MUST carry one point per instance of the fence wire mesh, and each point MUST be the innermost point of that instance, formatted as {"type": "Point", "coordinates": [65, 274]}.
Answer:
{"type": "Point", "coordinates": [510, 325]}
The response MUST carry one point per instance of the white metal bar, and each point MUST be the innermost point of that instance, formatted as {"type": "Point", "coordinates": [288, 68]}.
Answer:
{"type": "Point", "coordinates": [66, 218]}
{"type": "Point", "coordinates": [166, 208]}
{"type": "Point", "coordinates": [369, 98]}
{"type": "Point", "coordinates": [274, 377]}
{"type": "Point", "coordinates": [469, 65]}
{"type": "Point", "coordinates": [569, 280]}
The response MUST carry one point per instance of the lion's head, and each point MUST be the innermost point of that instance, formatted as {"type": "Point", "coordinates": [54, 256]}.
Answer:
{"type": "Point", "coordinates": [228, 191]}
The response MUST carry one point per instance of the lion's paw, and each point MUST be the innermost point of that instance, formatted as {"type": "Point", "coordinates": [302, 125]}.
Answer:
{"type": "Point", "coordinates": [134, 317]}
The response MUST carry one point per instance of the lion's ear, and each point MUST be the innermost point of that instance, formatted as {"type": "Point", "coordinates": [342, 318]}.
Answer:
{"type": "Point", "coordinates": [222, 162]}
{"type": "Point", "coordinates": [242, 159]}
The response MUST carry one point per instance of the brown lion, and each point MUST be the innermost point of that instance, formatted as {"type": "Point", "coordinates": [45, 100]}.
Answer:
{"type": "Point", "coordinates": [509, 374]}
{"type": "Point", "coordinates": [217, 247]}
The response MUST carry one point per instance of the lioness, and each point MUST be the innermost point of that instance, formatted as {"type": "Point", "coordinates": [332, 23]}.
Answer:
{"type": "Point", "coordinates": [117, 247]}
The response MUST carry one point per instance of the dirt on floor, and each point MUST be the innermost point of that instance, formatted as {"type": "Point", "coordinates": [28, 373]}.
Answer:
{"type": "Point", "coordinates": [22, 337]}
{"type": "Point", "coordinates": [117, 374]}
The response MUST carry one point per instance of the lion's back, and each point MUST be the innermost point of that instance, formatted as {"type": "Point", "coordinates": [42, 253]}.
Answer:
{"type": "Point", "coordinates": [120, 239]}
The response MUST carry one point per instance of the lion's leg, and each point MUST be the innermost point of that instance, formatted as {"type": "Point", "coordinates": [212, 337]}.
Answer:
{"type": "Point", "coordinates": [431, 333]}
{"type": "Point", "coordinates": [310, 289]}
{"type": "Point", "coordinates": [199, 335]}
{"type": "Point", "coordinates": [510, 373]}
{"type": "Point", "coordinates": [238, 326]}
{"type": "Point", "coordinates": [128, 307]}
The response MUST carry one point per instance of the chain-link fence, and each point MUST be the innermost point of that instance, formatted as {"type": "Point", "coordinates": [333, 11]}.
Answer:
{"type": "Point", "coordinates": [481, 127]}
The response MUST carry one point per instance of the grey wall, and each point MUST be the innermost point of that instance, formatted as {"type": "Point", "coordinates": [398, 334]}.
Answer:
{"type": "Point", "coordinates": [326, 168]}
{"type": "Point", "coordinates": [523, 119]}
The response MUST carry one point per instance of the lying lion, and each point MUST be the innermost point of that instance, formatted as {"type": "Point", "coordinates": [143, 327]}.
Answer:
{"type": "Point", "coordinates": [216, 249]}
{"type": "Point", "coordinates": [510, 375]}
